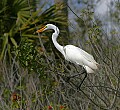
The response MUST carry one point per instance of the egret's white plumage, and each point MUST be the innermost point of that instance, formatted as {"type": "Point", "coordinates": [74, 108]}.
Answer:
{"type": "Point", "coordinates": [71, 52]}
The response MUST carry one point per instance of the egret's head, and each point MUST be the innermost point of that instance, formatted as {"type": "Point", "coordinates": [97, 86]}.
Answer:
{"type": "Point", "coordinates": [48, 26]}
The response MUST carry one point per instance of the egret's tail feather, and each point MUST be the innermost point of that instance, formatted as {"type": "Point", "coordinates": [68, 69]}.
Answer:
{"type": "Point", "coordinates": [88, 69]}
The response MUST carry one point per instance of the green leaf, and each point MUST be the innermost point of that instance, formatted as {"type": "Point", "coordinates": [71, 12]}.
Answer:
{"type": "Point", "coordinates": [14, 42]}
{"type": "Point", "coordinates": [5, 41]}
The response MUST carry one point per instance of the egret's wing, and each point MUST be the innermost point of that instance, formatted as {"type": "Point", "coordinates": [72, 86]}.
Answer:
{"type": "Point", "coordinates": [86, 55]}
{"type": "Point", "coordinates": [74, 52]}
{"type": "Point", "coordinates": [81, 57]}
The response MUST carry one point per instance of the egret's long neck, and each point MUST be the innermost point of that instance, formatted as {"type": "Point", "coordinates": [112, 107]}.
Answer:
{"type": "Point", "coordinates": [54, 39]}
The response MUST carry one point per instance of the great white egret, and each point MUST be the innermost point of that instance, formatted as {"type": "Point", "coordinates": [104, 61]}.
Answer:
{"type": "Point", "coordinates": [72, 53]}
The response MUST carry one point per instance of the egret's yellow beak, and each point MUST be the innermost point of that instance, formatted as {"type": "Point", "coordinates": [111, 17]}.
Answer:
{"type": "Point", "coordinates": [41, 30]}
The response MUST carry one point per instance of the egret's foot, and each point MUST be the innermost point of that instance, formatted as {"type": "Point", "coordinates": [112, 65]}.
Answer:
{"type": "Point", "coordinates": [78, 88]}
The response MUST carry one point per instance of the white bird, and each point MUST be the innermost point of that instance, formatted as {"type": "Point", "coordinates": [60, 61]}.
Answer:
{"type": "Point", "coordinates": [71, 52]}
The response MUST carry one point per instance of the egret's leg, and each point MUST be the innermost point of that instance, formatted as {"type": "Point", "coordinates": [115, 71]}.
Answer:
{"type": "Point", "coordinates": [82, 80]}
{"type": "Point", "coordinates": [67, 78]}
{"type": "Point", "coordinates": [72, 76]}
{"type": "Point", "coordinates": [71, 83]}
